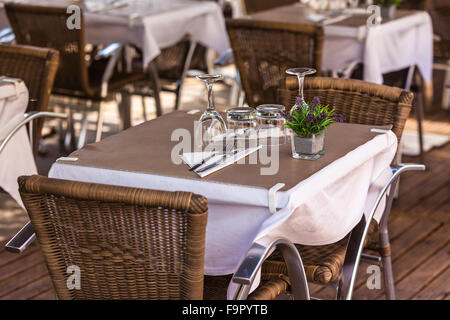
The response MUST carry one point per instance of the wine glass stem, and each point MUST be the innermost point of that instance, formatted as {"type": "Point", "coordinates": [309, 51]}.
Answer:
{"type": "Point", "coordinates": [301, 78]}
{"type": "Point", "coordinates": [210, 106]}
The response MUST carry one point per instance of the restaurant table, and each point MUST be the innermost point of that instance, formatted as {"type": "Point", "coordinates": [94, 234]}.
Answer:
{"type": "Point", "coordinates": [149, 25]}
{"type": "Point", "coordinates": [16, 159]}
{"type": "Point", "coordinates": [320, 203]}
{"type": "Point", "coordinates": [391, 46]}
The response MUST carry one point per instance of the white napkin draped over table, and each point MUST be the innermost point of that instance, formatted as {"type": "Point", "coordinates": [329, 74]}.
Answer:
{"type": "Point", "coordinates": [17, 157]}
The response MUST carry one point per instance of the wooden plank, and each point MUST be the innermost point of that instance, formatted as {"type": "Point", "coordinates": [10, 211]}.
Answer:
{"type": "Point", "coordinates": [22, 279]}
{"type": "Point", "coordinates": [8, 257]}
{"type": "Point", "coordinates": [46, 295]}
{"type": "Point", "coordinates": [440, 177]}
{"type": "Point", "coordinates": [422, 276]}
{"type": "Point", "coordinates": [17, 266]}
{"type": "Point", "coordinates": [416, 234]}
{"type": "Point", "coordinates": [439, 288]}
{"type": "Point", "coordinates": [32, 289]}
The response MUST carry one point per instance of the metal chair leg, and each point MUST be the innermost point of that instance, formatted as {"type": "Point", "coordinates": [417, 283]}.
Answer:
{"type": "Point", "coordinates": [83, 133]}
{"type": "Point", "coordinates": [385, 252]}
{"type": "Point", "coordinates": [144, 113]}
{"type": "Point", "coordinates": [99, 131]}
{"type": "Point", "coordinates": [419, 114]}
{"type": "Point", "coordinates": [178, 95]}
{"type": "Point", "coordinates": [388, 278]}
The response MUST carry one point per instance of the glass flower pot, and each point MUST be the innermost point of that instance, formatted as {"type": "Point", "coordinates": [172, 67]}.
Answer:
{"type": "Point", "coordinates": [308, 148]}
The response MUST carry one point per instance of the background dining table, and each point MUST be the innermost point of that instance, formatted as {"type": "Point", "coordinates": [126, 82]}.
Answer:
{"type": "Point", "coordinates": [390, 46]}
{"type": "Point", "coordinates": [148, 25]}
{"type": "Point", "coordinates": [318, 202]}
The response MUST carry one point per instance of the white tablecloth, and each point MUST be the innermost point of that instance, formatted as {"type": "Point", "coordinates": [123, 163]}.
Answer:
{"type": "Point", "coordinates": [152, 25]}
{"type": "Point", "coordinates": [17, 157]}
{"type": "Point", "coordinates": [319, 210]}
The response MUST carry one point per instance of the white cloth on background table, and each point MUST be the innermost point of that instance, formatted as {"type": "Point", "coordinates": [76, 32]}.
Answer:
{"type": "Point", "coordinates": [16, 159]}
{"type": "Point", "coordinates": [388, 47]}
{"type": "Point", "coordinates": [152, 26]}
{"type": "Point", "coordinates": [399, 44]}
{"type": "Point", "coordinates": [319, 210]}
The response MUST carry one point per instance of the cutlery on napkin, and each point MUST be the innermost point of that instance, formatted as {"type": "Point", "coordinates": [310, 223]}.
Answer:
{"type": "Point", "coordinates": [192, 158]}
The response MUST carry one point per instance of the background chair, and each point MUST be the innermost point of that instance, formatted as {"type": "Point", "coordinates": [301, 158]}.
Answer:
{"type": "Point", "coordinates": [89, 78]}
{"type": "Point", "coordinates": [363, 103]}
{"type": "Point", "coordinates": [252, 6]}
{"type": "Point", "coordinates": [37, 68]}
{"type": "Point", "coordinates": [263, 51]}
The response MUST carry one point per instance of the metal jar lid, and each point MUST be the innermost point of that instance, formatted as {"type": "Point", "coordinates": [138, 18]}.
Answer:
{"type": "Point", "coordinates": [241, 114]}
{"type": "Point", "coordinates": [270, 110]}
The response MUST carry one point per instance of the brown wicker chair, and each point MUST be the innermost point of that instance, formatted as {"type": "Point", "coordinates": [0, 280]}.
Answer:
{"type": "Point", "coordinates": [46, 27]}
{"type": "Point", "coordinates": [37, 68]}
{"type": "Point", "coordinates": [128, 243]}
{"type": "Point", "coordinates": [264, 50]}
{"type": "Point", "coordinates": [363, 103]}
{"type": "Point", "coordinates": [252, 6]}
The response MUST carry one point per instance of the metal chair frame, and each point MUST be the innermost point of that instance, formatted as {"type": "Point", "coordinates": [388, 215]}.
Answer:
{"type": "Point", "coordinates": [247, 271]}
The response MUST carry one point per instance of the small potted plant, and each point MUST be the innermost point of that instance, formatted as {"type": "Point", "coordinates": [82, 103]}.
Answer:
{"type": "Point", "coordinates": [389, 8]}
{"type": "Point", "coordinates": [308, 125]}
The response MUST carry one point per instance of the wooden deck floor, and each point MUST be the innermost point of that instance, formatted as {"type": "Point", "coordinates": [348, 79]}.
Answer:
{"type": "Point", "coordinates": [419, 230]}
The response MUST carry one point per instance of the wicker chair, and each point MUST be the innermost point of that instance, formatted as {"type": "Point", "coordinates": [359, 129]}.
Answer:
{"type": "Point", "coordinates": [363, 103]}
{"type": "Point", "coordinates": [264, 50]}
{"type": "Point", "coordinates": [252, 6]}
{"type": "Point", "coordinates": [46, 27]}
{"type": "Point", "coordinates": [128, 243]}
{"type": "Point", "coordinates": [37, 68]}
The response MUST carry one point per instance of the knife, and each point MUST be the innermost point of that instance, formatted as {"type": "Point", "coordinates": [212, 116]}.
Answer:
{"type": "Point", "coordinates": [225, 157]}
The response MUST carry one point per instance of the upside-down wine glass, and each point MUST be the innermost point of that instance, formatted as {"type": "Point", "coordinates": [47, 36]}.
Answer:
{"type": "Point", "coordinates": [300, 73]}
{"type": "Point", "coordinates": [212, 123]}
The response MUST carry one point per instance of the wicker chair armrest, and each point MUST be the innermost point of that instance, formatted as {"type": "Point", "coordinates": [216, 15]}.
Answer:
{"type": "Point", "coordinates": [28, 117]}
{"type": "Point", "coordinates": [257, 254]}
{"type": "Point", "coordinates": [270, 290]}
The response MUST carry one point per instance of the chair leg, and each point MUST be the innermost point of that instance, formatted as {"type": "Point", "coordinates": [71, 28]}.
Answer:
{"type": "Point", "coordinates": [154, 79]}
{"type": "Point", "coordinates": [419, 114]}
{"type": "Point", "coordinates": [99, 131]}
{"type": "Point", "coordinates": [125, 110]}
{"type": "Point", "coordinates": [385, 252]}
{"type": "Point", "coordinates": [83, 132]}
{"type": "Point", "coordinates": [178, 95]}
{"type": "Point", "coordinates": [144, 113]}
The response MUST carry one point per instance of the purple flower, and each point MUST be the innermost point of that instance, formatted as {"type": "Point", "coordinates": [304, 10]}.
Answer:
{"type": "Point", "coordinates": [299, 100]}
{"type": "Point", "coordinates": [309, 118]}
{"type": "Point", "coordinates": [287, 116]}
{"type": "Point", "coordinates": [315, 102]}
{"type": "Point", "coordinates": [339, 118]}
